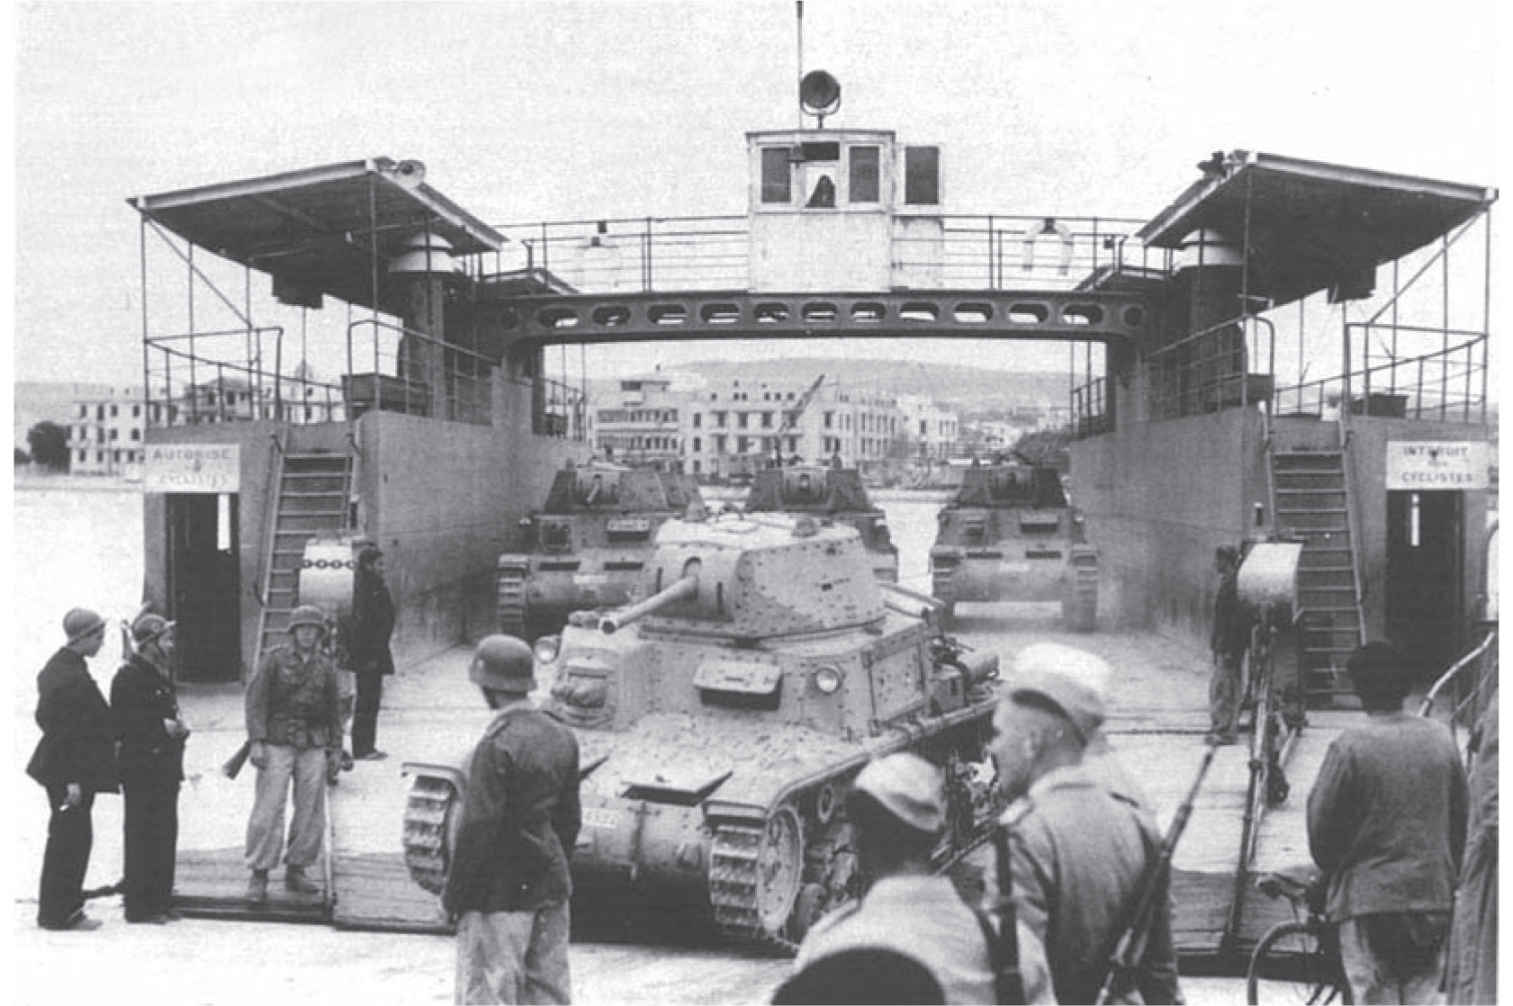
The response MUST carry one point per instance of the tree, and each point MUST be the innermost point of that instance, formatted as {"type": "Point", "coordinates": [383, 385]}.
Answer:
{"type": "Point", "coordinates": [49, 444]}
{"type": "Point", "coordinates": [20, 457]}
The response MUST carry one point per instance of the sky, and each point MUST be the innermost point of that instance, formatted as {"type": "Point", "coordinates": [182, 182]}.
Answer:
{"type": "Point", "coordinates": [533, 110]}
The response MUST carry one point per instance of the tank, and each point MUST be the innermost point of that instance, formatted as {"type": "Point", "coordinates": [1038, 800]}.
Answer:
{"type": "Point", "coordinates": [832, 494]}
{"type": "Point", "coordinates": [722, 717]}
{"type": "Point", "coordinates": [586, 547]}
{"type": "Point", "coordinates": [1010, 534]}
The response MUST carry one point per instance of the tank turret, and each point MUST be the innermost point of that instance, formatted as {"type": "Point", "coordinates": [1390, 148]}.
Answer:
{"type": "Point", "coordinates": [728, 710]}
{"type": "Point", "coordinates": [587, 545]}
{"type": "Point", "coordinates": [833, 494]}
{"type": "Point", "coordinates": [1010, 534]}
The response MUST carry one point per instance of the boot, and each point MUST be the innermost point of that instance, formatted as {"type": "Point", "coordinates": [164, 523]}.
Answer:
{"type": "Point", "coordinates": [296, 881]}
{"type": "Point", "coordinates": [257, 887]}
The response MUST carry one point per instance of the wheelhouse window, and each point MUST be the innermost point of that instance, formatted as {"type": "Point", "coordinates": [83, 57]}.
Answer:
{"type": "Point", "coordinates": [864, 174]}
{"type": "Point", "coordinates": [776, 176]}
{"type": "Point", "coordinates": [922, 176]}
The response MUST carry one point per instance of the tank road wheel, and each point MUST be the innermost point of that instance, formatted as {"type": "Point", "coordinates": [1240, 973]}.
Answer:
{"type": "Point", "coordinates": [755, 872]}
{"type": "Point", "coordinates": [510, 601]}
{"type": "Point", "coordinates": [430, 823]}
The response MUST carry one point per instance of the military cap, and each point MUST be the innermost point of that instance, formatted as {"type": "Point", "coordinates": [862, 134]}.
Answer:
{"type": "Point", "coordinates": [909, 787]}
{"type": "Point", "coordinates": [307, 614]}
{"type": "Point", "coordinates": [81, 622]}
{"type": "Point", "coordinates": [1074, 681]}
{"type": "Point", "coordinates": [149, 626]}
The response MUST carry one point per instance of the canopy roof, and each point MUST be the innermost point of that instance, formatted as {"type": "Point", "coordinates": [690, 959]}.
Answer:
{"type": "Point", "coordinates": [1314, 225]}
{"type": "Point", "coordinates": [312, 229]}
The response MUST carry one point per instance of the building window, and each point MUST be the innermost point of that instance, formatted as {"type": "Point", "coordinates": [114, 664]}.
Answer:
{"type": "Point", "coordinates": [776, 175]}
{"type": "Point", "coordinates": [829, 420]}
{"type": "Point", "coordinates": [113, 434]}
{"type": "Point", "coordinates": [696, 466]}
{"type": "Point", "coordinates": [99, 412]}
{"type": "Point", "coordinates": [742, 418]}
{"type": "Point", "coordinates": [766, 420]}
{"type": "Point", "coordinates": [118, 457]}
{"type": "Point", "coordinates": [922, 176]}
{"type": "Point", "coordinates": [136, 410]}
{"type": "Point", "coordinates": [864, 183]}
{"type": "Point", "coordinates": [100, 457]}
{"type": "Point", "coordinates": [82, 456]}
{"type": "Point", "coordinates": [698, 420]}
{"type": "Point", "coordinates": [112, 411]}
{"type": "Point", "coordinates": [697, 445]}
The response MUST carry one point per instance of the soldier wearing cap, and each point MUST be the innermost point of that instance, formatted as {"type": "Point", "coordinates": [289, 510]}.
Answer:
{"type": "Point", "coordinates": [509, 883]}
{"type": "Point", "coordinates": [1079, 850]}
{"type": "Point", "coordinates": [897, 807]}
{"type": "Point", "coordinates": [152, 734]}
{"type": "Point", "coordinates": [294, 725]}
{"type": "Point", "coordinates": [74, 760]}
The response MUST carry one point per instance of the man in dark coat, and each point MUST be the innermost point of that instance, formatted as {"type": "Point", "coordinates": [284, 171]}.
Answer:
{"type": "Point", "coordinates": [74, 760]}
{"type": "Point", "coordinates": [1229, 640]}
{"type": "Point", "coordinates": [1387, 825]}
{"type": "Point", "coordinates": [509, 884]}
{"type": "Point", "coordinates": [368, 648]}
{"type": "Point", "coordinates": [152, 734]}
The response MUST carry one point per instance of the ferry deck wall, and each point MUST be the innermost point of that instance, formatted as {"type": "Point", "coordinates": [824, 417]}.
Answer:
{"type": "Point", "coordinates": [442, 499]}
{"type": "Point", "coordinates": [1159, 497]}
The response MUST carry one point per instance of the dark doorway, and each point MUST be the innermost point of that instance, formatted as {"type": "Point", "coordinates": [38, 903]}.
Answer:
{"type": "Point", "coordinates": [1424, 576]}
{"type": "Point", "coordinates": [204, 577]}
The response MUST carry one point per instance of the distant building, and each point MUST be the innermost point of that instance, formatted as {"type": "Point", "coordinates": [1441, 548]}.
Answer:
{"type": "Point", "coordinates": [105, 432]}
{"type": "Point", "coordinates": [641, 424]}
{"type": "Point", "coordinates": [35, 402]}
{"type": "Point", "coordinates": [931, 429]}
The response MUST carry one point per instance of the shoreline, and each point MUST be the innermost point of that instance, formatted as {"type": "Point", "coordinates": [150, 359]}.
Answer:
{"type": "Point", "coordinates": [86, 483]}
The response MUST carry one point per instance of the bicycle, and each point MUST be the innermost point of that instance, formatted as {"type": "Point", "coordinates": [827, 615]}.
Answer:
{"type": "Point", "coordinates": [1298, 961]}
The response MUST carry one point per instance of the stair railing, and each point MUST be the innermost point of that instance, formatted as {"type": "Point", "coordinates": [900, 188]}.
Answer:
{"type": "Point", "coordinates": [270, 537]}
{"type": "Point", "coordinates": [1352, 518]}
{"type": "Point", "coordinates": [1469, 702]}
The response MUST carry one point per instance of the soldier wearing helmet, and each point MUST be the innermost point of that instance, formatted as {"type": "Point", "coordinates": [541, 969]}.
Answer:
{"type": "Point", "coordinates": [1079, 844]}
{"type": "Point", "coordinates": [74, 760]}
{"type": "Point", "coordinates": [908, 912]}
{"type": "Point", "coordinates": [152, 734]}
{"type": "Point", "coordinates": [509, 884]}
{"type": "Point", "coordinates": [294, 725]}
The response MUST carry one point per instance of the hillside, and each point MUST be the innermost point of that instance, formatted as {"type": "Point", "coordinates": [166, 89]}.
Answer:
{"type": "Point", "coordinates": [964, 388]}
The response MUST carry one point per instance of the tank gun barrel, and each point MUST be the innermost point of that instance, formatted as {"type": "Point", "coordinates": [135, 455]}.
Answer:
{"type": "Point", "coordinates": [684, 587]}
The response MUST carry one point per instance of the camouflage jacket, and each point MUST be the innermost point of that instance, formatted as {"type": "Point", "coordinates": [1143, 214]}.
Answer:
{"type": "Point", "coordinates": [294, 701]}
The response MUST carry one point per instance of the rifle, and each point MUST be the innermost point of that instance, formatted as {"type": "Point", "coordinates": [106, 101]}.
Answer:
{"type": "Point", "coordinates": [233, 765]}
{"type": "Point", "coordinates": [1124, 962]}
{"type": "Point", "coordinates": [1003, 946]}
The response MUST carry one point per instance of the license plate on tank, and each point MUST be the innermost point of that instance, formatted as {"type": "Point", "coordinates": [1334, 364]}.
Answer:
{"type": "Point", "coordinates": [628, 525]}
{"type": "Point", "coordinates": [601, 817]}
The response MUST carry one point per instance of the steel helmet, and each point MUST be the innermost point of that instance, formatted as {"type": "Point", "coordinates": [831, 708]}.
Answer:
{"type": "Point", "coordinates": [149, 627]}
{"type": "Point", "coordinates": [81, 622]}
{"type": "Point", "coordinates": [503, 663]}
{"type": "Point", "coordinates": [307, 614]}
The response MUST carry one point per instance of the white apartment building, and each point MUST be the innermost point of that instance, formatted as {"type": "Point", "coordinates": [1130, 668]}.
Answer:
{"type": "Point", "coordinates": [739, 427]}
{"type": "Point", "coordinates": [105, 433]}
{"type": "Point", "coordinates": [641, 425]}
{"type": "Point", "coordinates": [932, 430]}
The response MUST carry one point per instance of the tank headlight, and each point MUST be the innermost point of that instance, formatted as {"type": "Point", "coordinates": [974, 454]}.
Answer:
{"type": "Point", "coordinates": [547, 648]}
{"type": "Point", "coordinates": [827, 679]}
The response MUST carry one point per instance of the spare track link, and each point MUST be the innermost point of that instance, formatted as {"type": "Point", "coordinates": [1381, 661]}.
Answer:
{"type": "Point", "coordinates": [510, 601]}
{"type": "Point", "coordinates": [733, 884]}
{"type": "Point", "coordinates": [425, 831]}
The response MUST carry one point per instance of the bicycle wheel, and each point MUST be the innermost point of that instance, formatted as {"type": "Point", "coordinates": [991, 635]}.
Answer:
{"type": "Point", "coordinates": [1291, 964]}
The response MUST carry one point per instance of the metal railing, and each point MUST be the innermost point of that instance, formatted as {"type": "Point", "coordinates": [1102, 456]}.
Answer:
{"type": "Point", "coordinates": [1448, 384]}
{"type": "Point", "coordinates": [1226, 364]}
{"type": "Point", "coordinates": [1091, 414]}
{"type": "Point", "coordinates": [1466, 686]}
{"type": "Point", "coordinates": [192, 386]}
{"type": "Point", "coordinates": [417, 374]}
{"type": "Point", "coordinates": [973, 251]}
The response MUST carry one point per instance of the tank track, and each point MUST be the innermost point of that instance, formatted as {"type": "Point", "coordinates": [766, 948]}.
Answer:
{"type": "Point", "coordinates": [734, 883]}
{"type": "Point", "coordinates": [510, 601]}
{"type": "Point", "coordinates": [425, 831]}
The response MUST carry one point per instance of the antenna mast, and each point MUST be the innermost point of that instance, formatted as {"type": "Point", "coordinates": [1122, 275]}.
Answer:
{"type": "Point", "coordinates": [799, 10]}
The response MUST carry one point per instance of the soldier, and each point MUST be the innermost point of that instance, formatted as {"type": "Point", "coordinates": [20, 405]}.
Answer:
{"type": "Point", "coordinates": [509, 883]}
{"type": "Point", "coordinates": [897, 806]}
{"type": "Point", "coordinates": [152, 734]}
{"type": "Point", "coordinates": [1079, 851]}
{"type": "Point", "coordinates": [74, 760]}
{"type": "Point", "coordinates": [1387, 825]}
{"type": "Point", "coordinates": [368, 647]}
{"type": "Point", "coordinates": [294, 724]}
{"type": "Point", "coordinates": [1229, 639]}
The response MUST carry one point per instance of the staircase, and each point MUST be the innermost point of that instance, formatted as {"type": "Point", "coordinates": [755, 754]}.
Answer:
{"type": "Point", "coordinates": [310, 498]}
{"type": "Point", "coordinates": [1312, 505]}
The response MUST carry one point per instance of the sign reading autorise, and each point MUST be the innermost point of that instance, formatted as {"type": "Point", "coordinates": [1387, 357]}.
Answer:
{"type": "Point", "coordinates": [1427, 465]}
{"type": "Point", "coordinates": [193, 468]}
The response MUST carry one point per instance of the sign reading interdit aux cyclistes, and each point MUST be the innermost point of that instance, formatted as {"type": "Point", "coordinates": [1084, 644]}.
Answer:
{"type": "Point", "coordinates": [193, 468]}
{"type": "Point", "coordinates": [1427, 465]}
